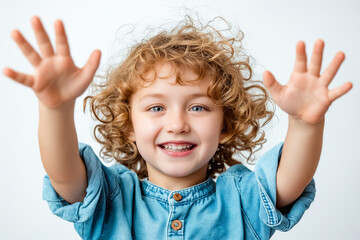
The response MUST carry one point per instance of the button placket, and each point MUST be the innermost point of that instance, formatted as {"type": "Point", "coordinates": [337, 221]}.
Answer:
{"type": "Point", "coordinates": [177, 197]}
{"type": "Point", "coordinates": [175, 223]}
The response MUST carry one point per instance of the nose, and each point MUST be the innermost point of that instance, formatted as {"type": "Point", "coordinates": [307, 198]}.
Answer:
{"type": "Point", "coordinates": [177, 122]}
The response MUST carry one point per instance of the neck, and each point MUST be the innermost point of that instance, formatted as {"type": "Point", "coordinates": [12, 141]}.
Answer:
{"type": "Point", "coordinates": [173, 183]}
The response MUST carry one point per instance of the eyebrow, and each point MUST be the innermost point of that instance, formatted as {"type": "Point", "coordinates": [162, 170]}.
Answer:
{"type": "Point", "coordinates": [160, 95]}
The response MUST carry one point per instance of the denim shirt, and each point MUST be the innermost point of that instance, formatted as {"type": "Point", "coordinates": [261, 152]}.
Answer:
{"type": "Point", "coordinates": [239, 205]}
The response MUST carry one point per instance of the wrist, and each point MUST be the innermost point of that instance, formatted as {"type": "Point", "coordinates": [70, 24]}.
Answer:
{"type": "Point", "coordinates": [299, 123]}
{"type": "Point", "coordinates": [66, 108]}
{"type": "Point", "coordinates": [63, 107]}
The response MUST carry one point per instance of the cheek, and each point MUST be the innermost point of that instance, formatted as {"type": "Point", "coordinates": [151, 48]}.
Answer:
{"type": "Point", "coordinates": [209, 130]}
{"type": "Point", "coordinates": [145, 129]}
{"type": "Point", "coordinates": [145, 135]}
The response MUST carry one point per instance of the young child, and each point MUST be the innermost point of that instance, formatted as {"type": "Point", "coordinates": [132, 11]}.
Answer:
{"type": "Point", "coordinates": [174, 113]}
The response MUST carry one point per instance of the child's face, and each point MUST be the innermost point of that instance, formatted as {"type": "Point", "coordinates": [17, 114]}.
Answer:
{"type": "Point", "coordinates": [177, 128]}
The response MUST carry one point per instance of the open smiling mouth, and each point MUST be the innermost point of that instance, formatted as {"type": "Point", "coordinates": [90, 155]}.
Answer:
{"type": "Point", "coordinates": [177, 148]}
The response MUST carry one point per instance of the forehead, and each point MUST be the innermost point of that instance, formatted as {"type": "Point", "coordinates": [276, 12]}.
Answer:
{"type": "Point", "coordinates": [166, 76]}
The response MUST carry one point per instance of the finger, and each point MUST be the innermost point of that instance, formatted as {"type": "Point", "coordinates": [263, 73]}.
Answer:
{"type": "Point", "coordinates": [88, 71]}
{"type": "Point", "coordinates": [42, 38]}
{"type": "Point", "coordinates": [24, 79]}
{"type": "Point", "coordinates": [316, 58]}
{"type": "Point", "coordinates": [339, 91]}
{"type": "Point", "coordinates": [330, 72]}
{"type": "Point", "coordinates": [28, 51]}
{"type": "Point", "coordinates": [272, 85]}
{"type": "Point", "coordinates": [62, 46]}
{"type": "Point", "coordinates": [301, 59]}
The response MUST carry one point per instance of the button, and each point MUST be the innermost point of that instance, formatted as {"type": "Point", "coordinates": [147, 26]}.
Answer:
{"type": "Point", "coordinates": [177, 197]}
{"type": "Point", "coordinates": [176, 225]}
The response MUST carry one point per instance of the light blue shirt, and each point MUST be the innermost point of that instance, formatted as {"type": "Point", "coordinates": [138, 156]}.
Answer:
{"type": "Point", "coordinates": [239, 205]}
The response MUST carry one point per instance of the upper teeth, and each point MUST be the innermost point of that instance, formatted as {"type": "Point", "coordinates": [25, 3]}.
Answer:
{"type": "Point", "coordinates": [179, 147]}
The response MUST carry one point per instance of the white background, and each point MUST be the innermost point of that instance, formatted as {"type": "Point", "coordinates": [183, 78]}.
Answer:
{"type": "Point", "coordinates": [271, 29]}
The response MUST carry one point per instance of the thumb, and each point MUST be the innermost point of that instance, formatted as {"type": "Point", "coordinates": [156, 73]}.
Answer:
{"type": "Point", "coordinates": [89, 69]}
{"type": "Point", "coordinates": [273, 86]}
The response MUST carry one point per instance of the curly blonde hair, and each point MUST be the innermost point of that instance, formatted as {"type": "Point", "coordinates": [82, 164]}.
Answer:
{"type": "Point", "coordinates": [205, 50]}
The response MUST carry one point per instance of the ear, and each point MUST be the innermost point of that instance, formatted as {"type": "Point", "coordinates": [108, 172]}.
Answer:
{"type": "Point", "coordinates": [131, 136]}
{"type": "Point", "coordinates": [222, 138]}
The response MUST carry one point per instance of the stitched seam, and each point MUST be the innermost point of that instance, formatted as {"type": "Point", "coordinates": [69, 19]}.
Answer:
{"type": "Point", "coordinates": [237, 185]}
{"type": "Point", "coordinates": [183, 226]}
{"type": "Point", "coordinates": [168, 221]}
{"type": "Point", "coordinates": [247, 222]}
{"type": "Point", "coordinates": [234, 174]}
{"type": "Point", "coordinates": [114, 193]}
{"type": "Point", "coordinates": [270, 211]}
{"type": "Point", "coordinates": [193, 200]}
{"type": "Point", "coordinates": [106, 223]}
{"type": "Point", "coordinates": [183, 202]}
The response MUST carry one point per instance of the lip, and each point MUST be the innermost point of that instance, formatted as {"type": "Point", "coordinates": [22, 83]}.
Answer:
{"type": "Point", "coordinates": [177, 154]}
{"type": "Point", "coordinates": [177, 142]}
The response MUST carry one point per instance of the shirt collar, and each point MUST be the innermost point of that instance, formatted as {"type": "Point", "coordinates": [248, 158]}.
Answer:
{"type": "Point", "coordinates": [193, 193]}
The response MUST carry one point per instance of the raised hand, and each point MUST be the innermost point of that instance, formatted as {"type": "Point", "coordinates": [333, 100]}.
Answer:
{"type": "Point", "coordinates": [306, 96]}
{"type": "Point", "coordinates": [56, 79]}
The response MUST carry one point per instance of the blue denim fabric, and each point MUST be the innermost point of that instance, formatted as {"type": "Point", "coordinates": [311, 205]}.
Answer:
{"type": "Point", "coordinates": [239, 205]}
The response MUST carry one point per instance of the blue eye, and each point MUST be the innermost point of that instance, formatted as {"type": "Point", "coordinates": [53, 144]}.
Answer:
{"type": "Point", "coordinates": [197, 108]}
{"type": "Point", "coordinates": [156, 109]}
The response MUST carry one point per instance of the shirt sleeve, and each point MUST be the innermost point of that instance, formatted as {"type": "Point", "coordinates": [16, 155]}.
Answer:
{"type": "Point", "coordinates": [260, 185]}
{"type": "Point", "coordinates": [92, 216]}
{"type": "Point", "coordinates": [96, 191]}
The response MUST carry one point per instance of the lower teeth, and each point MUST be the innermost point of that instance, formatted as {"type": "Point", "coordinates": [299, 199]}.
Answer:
{"type": "Point", "coordinates": [177, 150]}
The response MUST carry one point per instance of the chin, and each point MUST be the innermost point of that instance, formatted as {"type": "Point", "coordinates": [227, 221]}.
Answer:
{"type": "Point", "coordinates": [178, 172]}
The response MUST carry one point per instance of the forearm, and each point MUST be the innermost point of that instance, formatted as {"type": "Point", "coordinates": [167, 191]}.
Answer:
{"type": "Point", "coordinates": [306, 98]}
{"type": "Point", "coordinates": [299, 159]}
{"type": "Point", "coordinates": [59, 151]}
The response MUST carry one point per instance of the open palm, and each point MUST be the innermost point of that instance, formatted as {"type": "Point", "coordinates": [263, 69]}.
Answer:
{"type": "Point", "coordinates": [56, 79]}
{"type": "Point", "coordinates": [306, 96]}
